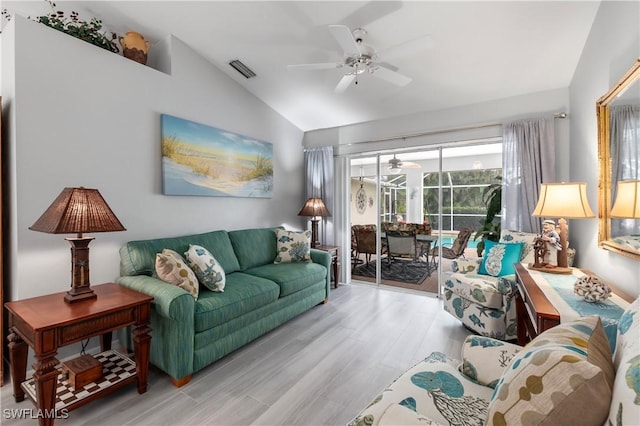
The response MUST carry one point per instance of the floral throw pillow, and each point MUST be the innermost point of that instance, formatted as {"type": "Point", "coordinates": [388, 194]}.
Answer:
{"type": "Point", "coordinates": [206, 267]}
{"type": "Point", "coordinates": [293, 246]}
{"type": "Point", "coordinates": [171, 268]}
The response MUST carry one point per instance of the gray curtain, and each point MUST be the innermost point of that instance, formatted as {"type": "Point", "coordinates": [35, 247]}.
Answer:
{"type": "Point", "coordinates": [625, 155]}
{"type": "Point", "coordinates": [318, 171]}
{"type": "Point", "coordinates": [528, 159]}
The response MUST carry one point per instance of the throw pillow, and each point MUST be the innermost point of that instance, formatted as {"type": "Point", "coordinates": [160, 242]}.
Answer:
{"type": "Point", "coordinates": [499, 258]}
{"type": "Point", "coordinates": [564, 376]}
{"type": "Point", "coordinates": [293, 246]}
{"type": "Point", "coordinates": [625, 401]}
{"type": "Point", "coordinates": [171, 268]}
{"type": "Point", "coordinates": [484, 359]}
{"type": "Point", "coordinates": [207, 269]}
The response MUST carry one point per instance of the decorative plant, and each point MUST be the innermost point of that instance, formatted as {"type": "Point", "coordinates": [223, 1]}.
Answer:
{"type": "Point", "coordinates": [89, 31]}
{"type": "Point", "coordinates": [492, 198]}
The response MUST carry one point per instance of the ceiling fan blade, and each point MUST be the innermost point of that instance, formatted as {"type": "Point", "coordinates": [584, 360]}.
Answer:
{"type": "Point", "coordinates": [318, 66]}
{"type": "Point", "coordinates": [343, 36]}
{"type": "Point", "coordinates": [410, 47]}
{"type": "Point", "coordinates": [344, 82]}
{"type": "Point", "coordinates": [392, 76]}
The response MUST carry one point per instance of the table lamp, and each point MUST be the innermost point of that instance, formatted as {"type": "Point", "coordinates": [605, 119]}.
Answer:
{"type": "Point", "coordinates": [78, 211]}
{"type": "Point", "coordinates": [314, 208]}
{"type": "Point", "coordinates": [563, 201]}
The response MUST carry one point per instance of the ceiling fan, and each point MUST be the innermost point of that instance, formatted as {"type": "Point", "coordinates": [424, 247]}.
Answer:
{"type": "Point", "coordinates": [361, 58]}
{"type": "Point", "coordinates": [396, 165]}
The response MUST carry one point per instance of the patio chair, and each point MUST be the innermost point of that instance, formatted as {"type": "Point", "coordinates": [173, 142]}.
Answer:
{"type": "Point", "coordinates": [401, 244]}
{"type": "Point", "coordinates": [365, 239]}
{"type": "Point", "coordinates": [457, 248]}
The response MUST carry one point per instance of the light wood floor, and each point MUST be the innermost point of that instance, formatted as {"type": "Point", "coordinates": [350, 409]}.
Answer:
{"type": "Point", "coordinates": [320, 368]}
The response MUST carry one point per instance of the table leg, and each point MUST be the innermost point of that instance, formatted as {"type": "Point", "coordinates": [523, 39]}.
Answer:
{"type": "Point", "coordinates": [336, 271]}
{"type": "Point", "coordinates": [18, 351]}
{"type": "Point", "coordinates": [521, 314]}
{"type": "Point", "coordinates": [46, 380]}
{"type": "Point", "coordinates": [105, 341]}
{"type": "Point", "coordinates": [141, 347]}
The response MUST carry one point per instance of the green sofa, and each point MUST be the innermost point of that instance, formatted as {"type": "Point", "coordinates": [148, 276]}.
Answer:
{"type": "Point", "coordinates": [188, 334]}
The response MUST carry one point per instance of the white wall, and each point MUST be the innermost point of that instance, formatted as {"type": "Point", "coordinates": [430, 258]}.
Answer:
{"type": "Point", "coordinates": [82, 116]}
{"type": "Point", "coordinates": [612, 47]}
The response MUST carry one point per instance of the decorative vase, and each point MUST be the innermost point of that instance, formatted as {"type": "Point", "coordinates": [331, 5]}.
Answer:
{"type": "Point", "coordinates": [135, 47]}
{"type": "Point", "coordinates": [591, 288]}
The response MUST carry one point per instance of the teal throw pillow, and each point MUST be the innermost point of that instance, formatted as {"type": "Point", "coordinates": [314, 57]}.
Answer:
{"type": "Point", "coordinates": [499, 258]}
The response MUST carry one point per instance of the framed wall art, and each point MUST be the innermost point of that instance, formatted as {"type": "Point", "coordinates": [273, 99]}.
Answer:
{"type": "Point", "coordinates": [207, 161]}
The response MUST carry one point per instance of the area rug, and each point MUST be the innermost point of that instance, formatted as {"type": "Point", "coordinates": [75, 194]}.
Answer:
{"type": "Point", "coordinates": [408, 272]}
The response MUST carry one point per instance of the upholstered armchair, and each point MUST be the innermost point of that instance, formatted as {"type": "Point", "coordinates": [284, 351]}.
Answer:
{"type": "Point", "coordinates": [485, 303]}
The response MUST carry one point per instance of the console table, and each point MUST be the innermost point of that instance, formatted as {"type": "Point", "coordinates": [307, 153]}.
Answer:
{"type": "Point", "coordinates": [47, 322]}
{"type": "Point", "coordinates": [539, 306]}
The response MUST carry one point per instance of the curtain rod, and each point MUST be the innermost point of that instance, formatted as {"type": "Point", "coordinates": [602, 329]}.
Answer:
{"type": "Point", "coordinates": [437, 132]}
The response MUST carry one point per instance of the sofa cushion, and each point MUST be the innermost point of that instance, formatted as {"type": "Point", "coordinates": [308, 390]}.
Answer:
{"type": "Point", "coordinates": [563, 376]}
{"type": "Point", "coordinates": [431, 388]}
{"type": "Point", "coordinates": [291, 277]}
{"type": "Point", "coordinates": [138, 257]}
{"type": "Point", "coordinates": [172, 269]}
{"type": "Point", "coordinates": [625, 402]}
{"type": "Point", "coordinates": [254, 247]}
{"type": "Point", "coordinates": [293, 246]}
{"type": "Point", "coordinates": [209, 272]}
{"type": "Point", "coordinates": [243, 293]}
{"type": "Point", "coordinates": [499, 258]}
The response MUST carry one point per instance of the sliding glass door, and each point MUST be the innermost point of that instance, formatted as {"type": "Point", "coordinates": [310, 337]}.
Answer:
{"type": "Point", "coordinates": [408, 208]}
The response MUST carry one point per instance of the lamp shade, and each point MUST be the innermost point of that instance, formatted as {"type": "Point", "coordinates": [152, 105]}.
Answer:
{"type": "Point", "coordinates": [77, 211]}
{"type": "Point", "coordinates": [314, 207]}
{"type": "Point", "coordinates": [565, 200]}
{"type": "Point", "coordinates": [627, 203]}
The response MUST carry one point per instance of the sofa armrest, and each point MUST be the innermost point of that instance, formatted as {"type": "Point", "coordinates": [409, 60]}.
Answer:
{"type": "Point", "coordinates": [168, 300]}
{"type": "Point", "coordinates": [484, 359]}
{"type": "Point", "coordinates": [466, 266]}
{"type": "Point", "coordinates": [323, 258]}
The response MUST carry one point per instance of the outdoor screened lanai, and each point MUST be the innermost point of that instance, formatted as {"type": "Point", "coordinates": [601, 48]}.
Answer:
{"type": "Point", "coordinates": [405, 205]}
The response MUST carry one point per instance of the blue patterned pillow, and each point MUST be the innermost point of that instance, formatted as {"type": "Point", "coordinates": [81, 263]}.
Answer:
{"type": "Point", "coordinates": [293, 246]}
{"type": "Point", "coordinates": [499, 258]}
{"type": "Point", "coordinates": [209, 272]}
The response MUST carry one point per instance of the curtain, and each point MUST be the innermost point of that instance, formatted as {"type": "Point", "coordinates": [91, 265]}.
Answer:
{"type": "Point", "coordinates": [319, 175]}
{"type": "Point", "coordinates": [528, 159]}
{"type": "Point", "coordinates": [625, 155]}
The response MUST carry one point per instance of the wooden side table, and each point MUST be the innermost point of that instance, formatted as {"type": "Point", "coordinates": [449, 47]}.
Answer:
{"type": "Point", "coordinates": [334, 251]}
{"type": "Point", "coordinates": [47, 322]}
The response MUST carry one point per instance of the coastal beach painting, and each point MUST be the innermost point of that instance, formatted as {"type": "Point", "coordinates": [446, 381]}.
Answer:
{"type": "Point", "coordinates": [202, 160]}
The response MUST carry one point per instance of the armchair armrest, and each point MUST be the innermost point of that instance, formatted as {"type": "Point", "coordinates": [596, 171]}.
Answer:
{"type": "Point", "coordinates": [466, 266]}
{"type": "Point", "coordinates": [484, 359]}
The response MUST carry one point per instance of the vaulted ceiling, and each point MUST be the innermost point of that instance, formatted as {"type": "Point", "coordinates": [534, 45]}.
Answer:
{"type": "Point", "coordinates": [455, 53]}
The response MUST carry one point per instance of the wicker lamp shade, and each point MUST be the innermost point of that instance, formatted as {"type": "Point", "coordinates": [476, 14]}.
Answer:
{"type": "Point", "coordinates": [78, 211]}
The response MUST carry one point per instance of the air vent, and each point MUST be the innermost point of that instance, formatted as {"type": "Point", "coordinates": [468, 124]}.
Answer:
{"type": "Point", "coordinates": [242, 68]}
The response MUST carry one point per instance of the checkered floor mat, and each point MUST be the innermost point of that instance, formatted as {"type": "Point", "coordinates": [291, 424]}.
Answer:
{"type": "Point", "coordinates": [116, 368]}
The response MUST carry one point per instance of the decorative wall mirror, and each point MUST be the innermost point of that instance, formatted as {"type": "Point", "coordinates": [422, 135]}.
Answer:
{"type": "Point", "coordinates": [618, 114]}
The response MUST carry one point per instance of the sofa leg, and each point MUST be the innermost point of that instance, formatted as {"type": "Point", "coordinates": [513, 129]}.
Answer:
{"type": "Point", "coordinates": [325, 301]}
{"type": "Point", "coordinates": [180, 382]}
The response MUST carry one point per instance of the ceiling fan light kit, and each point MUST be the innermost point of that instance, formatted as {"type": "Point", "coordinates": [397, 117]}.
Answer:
{"type": "Point", "coordinates": [359, 58]}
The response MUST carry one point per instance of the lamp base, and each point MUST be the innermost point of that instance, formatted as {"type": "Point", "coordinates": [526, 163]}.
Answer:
{"type": "Point", "coordinates": [552, 269]}
{"type": "Point", "coordinates": [78, 294]}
